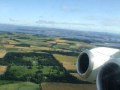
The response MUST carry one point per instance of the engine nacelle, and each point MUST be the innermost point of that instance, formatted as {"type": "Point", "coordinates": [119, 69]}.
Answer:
{"type": "Point", "coordinates": [90, 61]}
{"type": "Point", "coordinates": [109, 76]}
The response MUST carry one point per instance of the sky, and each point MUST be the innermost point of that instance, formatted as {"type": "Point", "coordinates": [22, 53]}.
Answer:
{"type": "Point", "coordinates": [93, 15]}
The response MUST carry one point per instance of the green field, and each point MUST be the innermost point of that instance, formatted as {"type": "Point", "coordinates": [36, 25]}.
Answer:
{"type": "Point", "coordinates": [20, 86]}
{"type": "Point", "coordinates": [37, 67]}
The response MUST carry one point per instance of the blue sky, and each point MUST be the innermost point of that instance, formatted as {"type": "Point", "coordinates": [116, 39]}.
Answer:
{"type": "Point", "coordinates": [99, 15]}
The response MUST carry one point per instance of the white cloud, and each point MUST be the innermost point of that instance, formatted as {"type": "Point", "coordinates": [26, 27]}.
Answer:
{"type": "Point", "coordinates": [67, 8]}
{"type": "Point", "coordinates": [13, 20]}
{"type": "Point", "coordinates": [66, 23]}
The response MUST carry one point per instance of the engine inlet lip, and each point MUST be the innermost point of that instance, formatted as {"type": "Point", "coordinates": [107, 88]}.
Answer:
{"type": "Point", "coordinates": [90, 65]}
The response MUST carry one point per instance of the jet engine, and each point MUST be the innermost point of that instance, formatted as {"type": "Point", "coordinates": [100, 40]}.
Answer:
{"type": "Point", "coordinates": [109, 76]}
{"type": "Point", "coordinates": [90, 61]}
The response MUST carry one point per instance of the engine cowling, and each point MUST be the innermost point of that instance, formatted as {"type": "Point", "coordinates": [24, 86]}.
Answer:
{"type": "Point", "coordinates": [90, 61]}
{"type": "Point", "coordinates": [109, 76]}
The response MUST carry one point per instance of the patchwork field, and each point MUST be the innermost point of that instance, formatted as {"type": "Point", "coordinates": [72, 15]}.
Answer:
{"type": "Point", "coordinates": [67, 86]}
{"type": "Point", "coordinates": [35, 59]}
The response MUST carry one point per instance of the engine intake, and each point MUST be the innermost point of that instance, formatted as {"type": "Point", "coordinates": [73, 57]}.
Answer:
{"type": "Point", "coordinates": [83, 63]}
{"type": "Point", "coordinates": [109, 76]}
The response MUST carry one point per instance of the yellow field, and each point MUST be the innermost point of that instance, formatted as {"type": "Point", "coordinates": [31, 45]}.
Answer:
{"type": "Point", "coordinates": [3, 69]}
{"type": "Point", "coordinates": [60, 41]}
{"type": "Point", "coordinates": [2, 53]}
{"type": "Point", "coordinates": [9, 46]}
{"type": "Point", "coordinates": [67, 86]}
{"type": "Point", "coordinates": [39, 48]}
{"type": "Point", "coordinates": [26, 49]}
{"type": "Point", "coordinates": [67, 61]}
{"type": "Point", "coordinates": [12, 41]}
{"type": "Point", "coordinates": [83, 45]}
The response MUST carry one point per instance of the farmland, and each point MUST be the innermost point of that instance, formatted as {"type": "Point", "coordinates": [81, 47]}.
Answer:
{"type": "Point", "coordinates": [42, 59]}
{"type": "Point", "coordinates": [20, 86]}
{"type": "Point", "coordinates": [3, 69]}
{"type": "Point", "coordinates": [67, 86]}
{"type": "Point", "coordinates": [67, 61]}
{"type": "Point", "coordinates": [2, 53]}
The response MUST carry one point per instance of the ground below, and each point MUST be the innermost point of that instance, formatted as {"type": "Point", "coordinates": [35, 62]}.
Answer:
{"type": "Point", "coordinates": [67, 86]}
